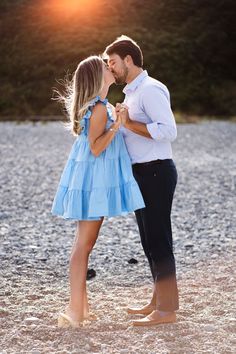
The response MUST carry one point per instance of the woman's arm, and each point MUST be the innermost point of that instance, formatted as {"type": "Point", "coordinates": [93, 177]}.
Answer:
{"type": "Point", "coordinates": [113, 109]}
{"type": "Point", "coordinates": [99, 137]}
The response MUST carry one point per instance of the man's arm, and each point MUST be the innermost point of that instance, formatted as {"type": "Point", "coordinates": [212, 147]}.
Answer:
{"type": "Point", "coordinates": [138, 128]}
{"type": "Point", "coordinates": [156, 105]}
{"type": "Point", "coordinates": [134, 126]}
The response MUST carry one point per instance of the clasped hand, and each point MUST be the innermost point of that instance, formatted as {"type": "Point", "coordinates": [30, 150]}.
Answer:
{"type": "Point", "coordinates": [122, 113]}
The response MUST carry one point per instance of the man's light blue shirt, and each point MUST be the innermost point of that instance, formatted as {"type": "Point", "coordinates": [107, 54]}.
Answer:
{"type": "Point", "coordinates": [149, 103]}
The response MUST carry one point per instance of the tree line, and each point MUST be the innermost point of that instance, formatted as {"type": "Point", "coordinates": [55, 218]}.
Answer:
{"type": "Point", "coordinates": [187, 44]}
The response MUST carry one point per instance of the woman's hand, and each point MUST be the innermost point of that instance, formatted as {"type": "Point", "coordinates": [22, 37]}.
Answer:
{"type": "Point", "coordinates": [122, 113]}
{"type": "Point", "coordinates": [116, 118]}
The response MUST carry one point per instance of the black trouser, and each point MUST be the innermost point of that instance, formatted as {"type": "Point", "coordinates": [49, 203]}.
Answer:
{"type": "Point", "coordinates": [157, 182]}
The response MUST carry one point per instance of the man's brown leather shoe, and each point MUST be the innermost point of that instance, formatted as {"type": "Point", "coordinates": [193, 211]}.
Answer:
{"type": "Point", "coordinates": [156, 318]}
{"type": "Point", "coordinates": [146, 310]}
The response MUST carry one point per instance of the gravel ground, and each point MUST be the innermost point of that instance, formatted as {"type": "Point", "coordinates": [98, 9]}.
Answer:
{"type": "Point", "coordinates": [35, 248]}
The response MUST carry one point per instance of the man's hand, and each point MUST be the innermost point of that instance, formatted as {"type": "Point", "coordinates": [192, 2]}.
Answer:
{"type": "Point", "coordinates": [117, 108]}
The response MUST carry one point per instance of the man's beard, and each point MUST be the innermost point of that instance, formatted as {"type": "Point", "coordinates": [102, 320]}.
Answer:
{"type": "Point", "coordinates": [122, 78]}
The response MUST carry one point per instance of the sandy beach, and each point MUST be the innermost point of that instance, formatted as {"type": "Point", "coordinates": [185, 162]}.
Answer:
{"type": "Point", "coordinates": [35, 249]}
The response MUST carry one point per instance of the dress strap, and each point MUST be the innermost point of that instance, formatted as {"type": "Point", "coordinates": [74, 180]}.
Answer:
{"type": "Point", "coordinates": [97, 99]}
{"type": "Point", "coordinates": [91, 104]}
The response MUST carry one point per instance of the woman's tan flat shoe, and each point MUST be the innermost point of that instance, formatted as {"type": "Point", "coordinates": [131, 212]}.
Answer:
{"type": "Point", "coordinates": [65, 321]}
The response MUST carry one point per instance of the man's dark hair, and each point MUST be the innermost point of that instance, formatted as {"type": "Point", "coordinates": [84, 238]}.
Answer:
{"type": "Point", "coordinates": [124, 46]}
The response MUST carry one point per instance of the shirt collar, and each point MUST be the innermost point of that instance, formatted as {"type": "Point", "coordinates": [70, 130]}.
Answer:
{"type": "Point", "coordinates": [135, 83]}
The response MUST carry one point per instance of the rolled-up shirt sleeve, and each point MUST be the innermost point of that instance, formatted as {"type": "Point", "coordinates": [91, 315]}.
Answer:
{"type": "Point", "coordinates": [156, 105]}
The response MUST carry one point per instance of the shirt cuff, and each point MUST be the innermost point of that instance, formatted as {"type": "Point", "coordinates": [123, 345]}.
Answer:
{"type": "Point", "coordinates": [154, 131]}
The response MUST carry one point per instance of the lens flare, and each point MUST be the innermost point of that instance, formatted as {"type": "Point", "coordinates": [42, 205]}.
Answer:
{"type": "Point", "coordinates": [68, 7]}
{"type": "Point", "coordinates": [70, 13]}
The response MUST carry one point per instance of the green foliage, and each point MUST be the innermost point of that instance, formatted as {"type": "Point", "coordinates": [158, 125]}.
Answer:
{"type": "Point", "coordinates": [187, 44]}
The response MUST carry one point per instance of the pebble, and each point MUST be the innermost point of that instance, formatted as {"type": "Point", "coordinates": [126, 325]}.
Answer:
{"type": "Point", "coordinates": [91, 273]}
{"type": "Point", "coordinates": [132, 261]}
{"type": "Point", "coordinates": [31, 320]}
{"type": "Point", "coordinates": [210, 328]}
{"type": "Point", "coordinates": [87, 347]}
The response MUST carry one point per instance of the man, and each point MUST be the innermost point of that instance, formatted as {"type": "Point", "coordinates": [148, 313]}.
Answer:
{"type": "Point", "coordinates": [149, 128]}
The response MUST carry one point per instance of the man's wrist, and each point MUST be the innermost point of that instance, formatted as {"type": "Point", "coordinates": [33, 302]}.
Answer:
{"type": "Point", "coordinates": [128, 123]}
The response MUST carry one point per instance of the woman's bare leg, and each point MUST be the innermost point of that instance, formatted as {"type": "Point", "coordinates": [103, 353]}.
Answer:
{"type": "Point", "coordinates": [86, 304]}
{"type": "Point", "coordinates": [86, 236]}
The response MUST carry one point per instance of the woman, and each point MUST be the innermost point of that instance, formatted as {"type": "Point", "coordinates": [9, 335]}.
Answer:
{"type": "Point", "coordinates": [97, 180]}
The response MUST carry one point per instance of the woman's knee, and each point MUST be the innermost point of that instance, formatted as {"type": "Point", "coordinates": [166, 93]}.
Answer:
{"type": "Point", "coordinates": [86, 237]}
{"type": "Point", "coordinates": [82, 247]}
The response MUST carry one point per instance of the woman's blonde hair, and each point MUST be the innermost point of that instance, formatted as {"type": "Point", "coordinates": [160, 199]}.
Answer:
{"type": "Point", "coordinates": [85, 85]}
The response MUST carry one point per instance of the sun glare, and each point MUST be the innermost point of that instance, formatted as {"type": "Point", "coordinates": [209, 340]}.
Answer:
{"type": "Point", "coordinates": [72, 6]}
{"type": "Point", "coordinates": [66, 12]}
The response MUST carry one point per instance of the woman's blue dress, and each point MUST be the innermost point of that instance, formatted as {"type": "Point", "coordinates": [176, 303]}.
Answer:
{"type": "Point", "coordinates": [91, 187]}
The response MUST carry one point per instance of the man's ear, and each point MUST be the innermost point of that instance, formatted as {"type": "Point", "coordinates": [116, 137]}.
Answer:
{"type": "Point", "coordinates": [128, 60]}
